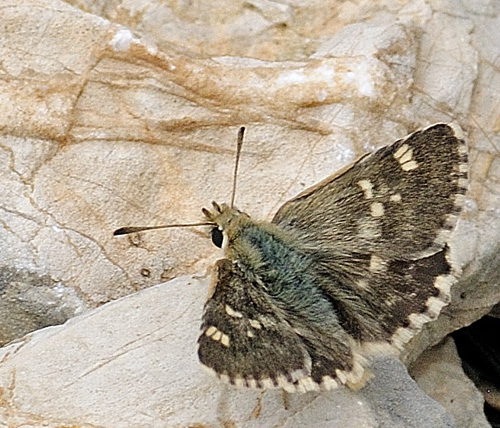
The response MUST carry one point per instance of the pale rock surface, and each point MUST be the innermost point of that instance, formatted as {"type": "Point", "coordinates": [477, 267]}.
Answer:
{"type": "Point", "coordinates": [133, 363]}
{"type": "Point", "coordinates": [118, 114]}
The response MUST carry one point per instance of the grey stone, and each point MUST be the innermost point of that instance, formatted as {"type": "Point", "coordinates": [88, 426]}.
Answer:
{"type": "Point", "coordinates": [438, 371]}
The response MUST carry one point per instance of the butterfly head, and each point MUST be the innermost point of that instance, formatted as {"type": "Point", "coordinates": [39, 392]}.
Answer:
{"type": "Point", "coordinates": [224, 218]}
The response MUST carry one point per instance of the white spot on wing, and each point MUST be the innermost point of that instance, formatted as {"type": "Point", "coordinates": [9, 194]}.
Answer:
{"type": "Point", "coordinates": [328, 383]}
{"type": "Point", "coordinates": [267, 383]}
{"type": "Point", "coordinates": [232, 313]}
{"type": "Point", "coordinates": [404, 155]}
{"type": "Point", "coordinates": [239, 382]}
{"type": "Point", "coordinates": [210, 330]}
{"type": "Point", "coordinates": [255, 324]}
{"type": "Point", "coordinates": [341, 375]}
{"type": "Point", "coordinates": [395, 198]}
{"type": "Point", "coordinates": [225, 340]}
{"type": "Point", "coordinates": [251, 382]}
{"type": "Point", "coordinates": [407, 156]}
{"type": "Point", "coordinates": [399, 153]}
{"type": "Point", "coordinates": [367, 188]}
{"type": "Point", "coordinates": [307, 384]}
{"type": "Point", "coordinates": [376, 263]}
{"type": "Point", "coordinates": [377, 209]}
{"type": "Point", "coordinates": [408, 166]}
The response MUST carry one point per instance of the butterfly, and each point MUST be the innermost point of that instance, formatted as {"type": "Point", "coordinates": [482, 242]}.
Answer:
{"type": "Point", "coordinates": [358, 262]}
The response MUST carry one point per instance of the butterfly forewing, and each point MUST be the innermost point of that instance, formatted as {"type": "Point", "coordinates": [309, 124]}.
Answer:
{"type": "Point", "coordinates": [395, 201]}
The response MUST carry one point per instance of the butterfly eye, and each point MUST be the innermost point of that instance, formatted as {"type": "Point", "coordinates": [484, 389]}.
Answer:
{"type": "Point", "coordinates": [217, 237]}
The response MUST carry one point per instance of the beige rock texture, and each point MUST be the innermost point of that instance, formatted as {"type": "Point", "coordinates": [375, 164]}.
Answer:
{"type": "Point", "coordinates": [126, 113]}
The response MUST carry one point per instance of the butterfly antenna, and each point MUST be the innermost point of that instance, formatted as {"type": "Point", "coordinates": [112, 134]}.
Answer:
{"type": "Point", "coordinates": [239, 144]}
{"type": "Point", "coordinates": [134, 229]}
